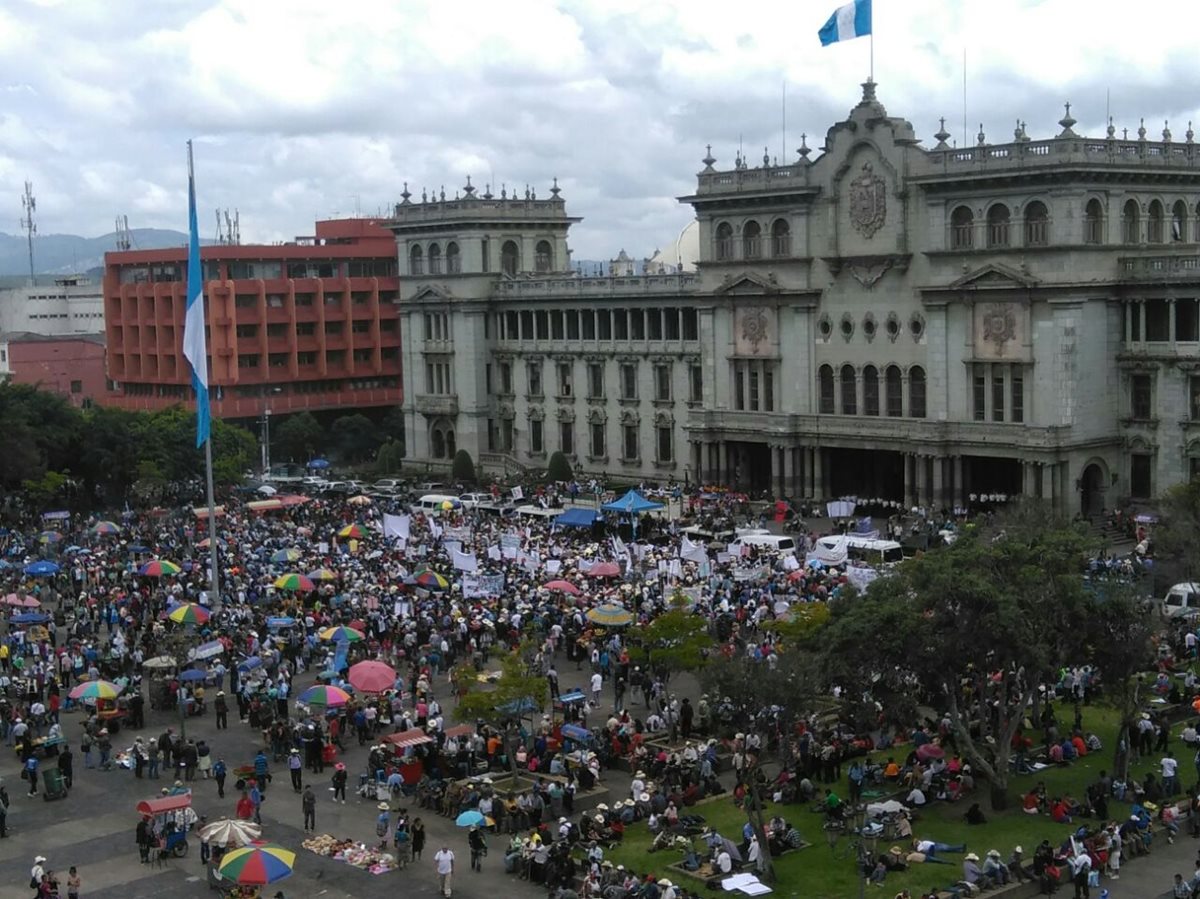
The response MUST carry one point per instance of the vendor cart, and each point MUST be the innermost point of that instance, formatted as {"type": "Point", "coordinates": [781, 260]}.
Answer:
{"type": "Point", "coordinates": [173, 818]}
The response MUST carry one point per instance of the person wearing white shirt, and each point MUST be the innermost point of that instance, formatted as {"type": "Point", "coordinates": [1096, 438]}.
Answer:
{"type": "Point", "coordinates": [638, 785]}
{"type": "Point", "coordinates": [724, 861]}
{"type": "Point", "coordinates": [915, 798]}
{"type": "Point", "coordinates": [444, 860]}
{"type": "Point", "coordinates": [597, 685]}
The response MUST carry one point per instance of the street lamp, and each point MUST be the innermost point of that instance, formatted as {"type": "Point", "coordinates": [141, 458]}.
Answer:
{"type": "Point", "coordinates": [266, 441]}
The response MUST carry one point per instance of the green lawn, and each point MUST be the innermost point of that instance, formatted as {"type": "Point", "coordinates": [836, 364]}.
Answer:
{"type": "Point", "coordinates": [819, 872]}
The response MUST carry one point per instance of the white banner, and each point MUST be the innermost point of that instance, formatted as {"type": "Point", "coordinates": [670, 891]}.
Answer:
{"type": "Point", "coordinates": [749, 574]}
{"type": "Point", "coordinates": [464, 561]}
{"type": "Point", "coordinates": [494, 554]}
{"type": "Point", "coordinates": [462, 535]}
{"type": "Point", "coordinates": [482, 585]}
{"type": "Point", "coordinates": [791, 563]}
{"type": "Point", "coordinates": [692, 552]}
{"type": "Point", "coordinates": [553, 566]}
{"type": "Point", "coordinates": [397, 526]}
{"type": "Point", "coordinates": [861, 577]}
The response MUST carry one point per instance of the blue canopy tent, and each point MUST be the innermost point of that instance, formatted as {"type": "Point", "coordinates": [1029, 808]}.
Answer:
{"type": "Point", "coordinates": [577, 518]}
{"type": "Point", "coordinates": [632, 504]}
{"type": "Point", "coordinates": [30, 618]}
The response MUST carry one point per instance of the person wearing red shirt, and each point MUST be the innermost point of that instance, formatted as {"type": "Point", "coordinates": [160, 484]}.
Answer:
{"type": "Point", "coordinates": [245, 807]}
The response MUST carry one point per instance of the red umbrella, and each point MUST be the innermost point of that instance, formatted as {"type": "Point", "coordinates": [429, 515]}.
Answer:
{"type": "Point", "coordinates": [564, 587]}
{"type": "Point", "coordinates": [605, 569]}
{"type": "Point", "coordinates": [928, 751]}
{"type": "Point", "coordinates": [372, 677]}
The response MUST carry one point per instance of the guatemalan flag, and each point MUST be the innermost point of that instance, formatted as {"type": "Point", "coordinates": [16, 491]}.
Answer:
{"type": "Point", "coordinates": [847, 22]}
{"type": "Point", "coordinates": [194, 348]}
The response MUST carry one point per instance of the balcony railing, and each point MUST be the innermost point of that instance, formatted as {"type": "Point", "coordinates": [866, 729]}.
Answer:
{"type": "Point", "coordinates": [1152, 268]}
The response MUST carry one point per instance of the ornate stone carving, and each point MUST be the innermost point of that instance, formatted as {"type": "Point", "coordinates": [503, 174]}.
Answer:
{"type": "Point", "coordinates": [755, 327]}
{"type": "Point", "coordinates": [867, 273]}
{"type": "Point", "coordinates": [868, 202]}
{"type": "Point", "coordinates": [999, 325]}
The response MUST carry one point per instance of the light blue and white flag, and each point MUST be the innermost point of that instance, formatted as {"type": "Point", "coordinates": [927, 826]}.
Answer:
{"type": "Point", "coordinates": [194, 344]}
{"type": "Point", "coordinates": [847, 22]}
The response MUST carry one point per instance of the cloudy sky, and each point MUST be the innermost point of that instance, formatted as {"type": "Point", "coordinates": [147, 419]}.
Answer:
{"type": "Point", "coordinates": [304, 109]}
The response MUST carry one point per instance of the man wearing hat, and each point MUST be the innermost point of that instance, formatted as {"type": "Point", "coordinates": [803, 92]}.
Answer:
{"type": "Point", "coordinates": [296, 769]}
{"type": "Point", "coordinates": [995, 869]}
{"type": "Point", "coordinates": [308, 804]}
{"type": "Point", "coordinates": [478, 846]}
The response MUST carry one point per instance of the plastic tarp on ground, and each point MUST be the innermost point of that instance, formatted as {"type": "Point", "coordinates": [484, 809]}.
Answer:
{"type": "Point", "coordinates": [631, 503]}
{"type": "Point", "coordinates": [577, 518]}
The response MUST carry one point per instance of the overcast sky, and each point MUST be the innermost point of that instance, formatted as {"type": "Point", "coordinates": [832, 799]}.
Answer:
{"type": "Point", "coordinates": [305, 109]}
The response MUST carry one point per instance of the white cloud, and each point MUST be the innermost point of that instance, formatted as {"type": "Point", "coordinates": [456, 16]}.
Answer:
{"type": "Point", "coordinates": [303, 108]}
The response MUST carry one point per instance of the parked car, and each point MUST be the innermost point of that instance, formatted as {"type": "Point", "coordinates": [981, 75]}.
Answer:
{"type": "Point", "coordinates": [474, 500]}
{"type": "Point", "coordinates": [390, 486]}
{"type": "Point", "coordinates": [1181, 601]}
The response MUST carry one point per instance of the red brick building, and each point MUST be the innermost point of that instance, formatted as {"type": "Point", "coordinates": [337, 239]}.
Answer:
{"type": "Point", "coordinates": [307, 325]}
{"type": "Point", "coordinates": [71, 365]}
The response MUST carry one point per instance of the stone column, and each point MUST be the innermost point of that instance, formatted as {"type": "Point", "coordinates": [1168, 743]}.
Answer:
{"type": "Point", "coordinates": [789, 471]}
{"type": "Point", "coordinates": [959, 498]}
{"type": "Point", "coordinates": [907, 460]}
{"type": "Point", "coordinates": [819, 474]}
{"type": "Point", "coordinates": [776, 469]}
{"type": "Point", "coordinates": [1171, 319]}
{"type": "Point", "coordinates": [939, 496]}
{"type": "Point", "coordinates": [919, 480]}
{"type": "Point", "coordinates": [1141, 312]}
{"type": "Point", "coordinates": [722, 462]}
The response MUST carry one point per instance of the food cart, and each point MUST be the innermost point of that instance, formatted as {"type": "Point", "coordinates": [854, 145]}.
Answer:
{"type": "Point", "coordinates": [173, 817]}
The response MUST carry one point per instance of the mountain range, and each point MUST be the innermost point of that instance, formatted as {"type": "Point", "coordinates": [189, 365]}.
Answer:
{"type": "Point", "coordinates": [62, 254]}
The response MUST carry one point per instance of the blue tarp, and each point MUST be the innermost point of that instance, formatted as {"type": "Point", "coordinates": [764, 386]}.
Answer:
{"type": "Point", "coordinates": [631, 503]}
{"type": "Point", "coordinates": [573, 696]}
{"type": "Point", "coordinates": [250, 664]}
{"type": "Point", "coordinates": [522, 707]}
{"type": "Point", "coordinates": [577, 518]}
{"type": "Point", "coordinates": [576, 733]}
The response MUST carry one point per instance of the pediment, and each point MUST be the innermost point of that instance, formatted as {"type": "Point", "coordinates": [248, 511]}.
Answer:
{"type": "Point", "coordinates": [432, 293]}
{"type": "Point", "coordinates": [748, 284]}
{"type": "Point", "coordinates": [995, 276]}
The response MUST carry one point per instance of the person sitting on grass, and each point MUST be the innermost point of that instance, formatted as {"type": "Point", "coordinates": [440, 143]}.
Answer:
{"type": "Point", "coordinates": [975, 815]}
{"type": "Point", "coordinates": [1060, 811]}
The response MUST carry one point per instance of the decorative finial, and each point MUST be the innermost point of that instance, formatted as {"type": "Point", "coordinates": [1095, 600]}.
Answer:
{"type": "Point", "coordinates": [424, 196]}
{"type": "Point", "coordinates": [804, 148]}
{"type": "Point", "coordinates": [981, 139]}
{"type": "Point", "coordinates": [443, 193]}
{"type": "Point", "coordinates": [1024, 133]}
{"type": "Point", "coordinates": [1067, 122]}
{"type": "Point", "coordinates": [526, 191]}
{"type": "Point", "coordinates": [1142, 129]}
{"type": "Point", "coordinates": [1112, 129]}
{"type": "Point", "coordinates": [1124, 134]}
{"type": "Point", "coordinates": [405, 195]}
{"type": "Point", "coordinates": [1166, 131]}
{"type": "Point", "coordinates": [487, 191]}
{"type": "Point", "coordinates": [469, 190]}
{"type": "Point", "coordinates": [868, 91]}
{"type": "Point", "coordinates": [533, 193]}
{"type": "Point", "coordinates": [766, 158]}
{"type": "Point", "coordinates": [1017, 131]}
{"type": "Point", "coordinates": [555, 190]}
{"type": "Point", "coordinates": [1189, 134]}
{"type": "Point", "coordinates": [708, 159]}
{"type": "Point", "coordinates": [942, 135]}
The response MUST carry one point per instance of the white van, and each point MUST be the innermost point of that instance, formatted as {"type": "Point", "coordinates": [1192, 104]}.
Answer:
{"type": "Point", "coordinates": [873, 551]}
{"type": "Point", "coordinates": [1181, 600]}
{"type": "Point", "coordinates": [431, 503]}
{"type": "Point", "coordinates": [776, 542]}
{"type": "Point", "coordinates": [539, 512]}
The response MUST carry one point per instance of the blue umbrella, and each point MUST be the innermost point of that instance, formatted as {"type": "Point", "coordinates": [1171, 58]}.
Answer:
{"type": "Point", "coordinates": [250, 664]}
{"type": "Point", "coordinates": [30, 618]}
{"type": "Point", "coordinates": [318, 463]}
{"type": "Point", "coordinates": [193, 674]}
{"type": "Point", "coordinates": [469, 818]}
{"type": "Point", "coordinates": [41, 568]}
{"type": "Point", "coordinates": [71, 550]}
{"type": "Point", "coordinates": [136, 548]}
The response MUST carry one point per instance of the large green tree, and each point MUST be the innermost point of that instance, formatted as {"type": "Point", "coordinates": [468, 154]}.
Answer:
{"type": "Point", "coordinates": [298, 438]}
{"type": "Point", "coordinates": [355, 437]}
{"type": "Point", "coordinates": [675, 641]}
{"type": "Point", "coordinates": [1177, 533]}
{"type": "Point", "coordinates": [41, 432]}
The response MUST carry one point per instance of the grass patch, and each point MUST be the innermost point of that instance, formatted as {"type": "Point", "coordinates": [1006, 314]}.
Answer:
{"type": "Point", "coordinates": [818, 872]}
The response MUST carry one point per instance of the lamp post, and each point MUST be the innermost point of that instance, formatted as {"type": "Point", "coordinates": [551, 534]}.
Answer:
{"type": "Point", "coordinates": [864, 853]}
{"type": "Point", "coordinates": [266, 441]}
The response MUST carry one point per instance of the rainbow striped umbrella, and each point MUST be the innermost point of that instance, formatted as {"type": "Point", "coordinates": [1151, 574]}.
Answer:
{"type": "Point", "coordinates": [352, 532]}
{"type": "Point", "coordinates": [106, 528]}
{"type": "Point", "coordinates": [190, 613]}
{"type": "Point", "coordinates": [95, 689]}
{"type": "Point", "coordinates": [431, 580]}
{"type": "Point", "coordinates": [258, 864]}
{"type": "Point", "coordinates": [341, 632]}
{"type": "Point", "coordinates": [285, 555]}
{"type": "Point", "coordinates": [322, 574]}
{"type": "Point", "coordinates": [159, 568]}
{"type": "Point", "coordinates": [293, 581]}
{"type": "Point", "coordinates": [610, 615]}
{"type": "Point", "coordinates": [326, 695]}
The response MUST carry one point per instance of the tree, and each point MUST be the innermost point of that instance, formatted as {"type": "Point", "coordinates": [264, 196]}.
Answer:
{"type": "Point", "coordinates": [516, 692]}
{"type": "Point", "coordinates": [298, 438]}
{"type": "Point", "coordinates": [233, 452]}
{"type": "Point", "coordinates": [46, 489]}
{"type": "Point", "coordinates": [972, 629]}
{"type": "Point", "coordinates": [463, 468]}
{"type": "Point", "coordinates": [677, 640]}
{"type": "Point", "coordinates": [111, 460]}
{"type": "Point", "coordinates": [559, 467]}
{"type": "Point", "coordinates": [355, 437]}
{"type": "Point", "coordinates": [41, 432]}
{"type": "Point", "coordinates": [1177, 534]}
{"type": "Point", "coordinates": [389, 459]}
{"type": "Point", "coordinates": [391, 427]}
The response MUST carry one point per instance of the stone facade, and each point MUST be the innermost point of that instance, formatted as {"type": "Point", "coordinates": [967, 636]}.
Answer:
{"type": "Point", "coordinates": [922, 325]}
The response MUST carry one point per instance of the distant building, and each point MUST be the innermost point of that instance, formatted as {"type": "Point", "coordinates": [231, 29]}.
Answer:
{"type": "Point", "coordinates": [73, 304]}
{"type": "Point", "coordinates": [622, 266]}
{"type": "Point", "coordinates": [72, 366]}
{"type": "Point", "coordinates": [307, 325]}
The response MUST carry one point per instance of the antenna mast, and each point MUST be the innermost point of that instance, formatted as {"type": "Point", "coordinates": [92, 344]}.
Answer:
{"type": "Point", "coordinates": [29, 204]}
{"type": "Point", "coordinates": [124, 240]}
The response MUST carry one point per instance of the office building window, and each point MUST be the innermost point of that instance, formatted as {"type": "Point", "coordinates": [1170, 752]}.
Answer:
{"type": "Point", "coordinates": [695, 384]}
{"type": "Point", "coordinates": [629, 442]}
{"type": "Point", "coordinates": [595, 374]}
{"type": "Point", "coordinates": [662, 383]}
{"type": "Point", "coordinates": [535, 436]}
{"type": "Point", "coordinates": [566, 437]}
{"type": "Point", "coordinates": [597, 439]}
{"type": "Point", "coordinates": [666, 443]}
{"type": "Point", "coordinates": [870, 390]}
{"type": "Point", "coordinates": [566, 378]}
{"type": "Point", "coordinates": [1141, 396]}
{"type": "Point", "coordinates": [825, 391]}
{"type": "Point", "coordinates": [629, 389]}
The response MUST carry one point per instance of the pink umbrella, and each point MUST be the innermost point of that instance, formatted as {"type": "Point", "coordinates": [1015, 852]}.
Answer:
{"type": "Point", "coordinates": [604, 569]}
{"type": "Point", "coordinates": [14, 600]}
{"type": "Point", "coordinates": [372, 677]}
{"type": "Point", "coordinates": [929, 751]}
{"type": "Point", "coordinates": [564, 587]}
{"type": "Point", "coordinates": [30, 603]}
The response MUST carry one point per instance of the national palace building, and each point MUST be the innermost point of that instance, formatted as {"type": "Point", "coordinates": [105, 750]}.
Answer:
{"type": "Point", "coordinates": [888, 319]}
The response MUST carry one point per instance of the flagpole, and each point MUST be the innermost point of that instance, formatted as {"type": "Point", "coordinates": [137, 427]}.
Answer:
{"type": "Point", "coordinates": [213, 575]}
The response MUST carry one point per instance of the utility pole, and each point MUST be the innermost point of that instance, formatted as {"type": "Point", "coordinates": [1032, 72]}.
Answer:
{"type": "Point", "coordinates": [29, 204]}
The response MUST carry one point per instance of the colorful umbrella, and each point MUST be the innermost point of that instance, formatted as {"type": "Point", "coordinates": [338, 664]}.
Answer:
{"type": "Point", "coordinates": [49, 537]}
{"type": "Point", "coordinates": [95, 689]}
{"type": "Point", "coordinates": [258, 864]}
{"type": "Point", "coordinates": [448, 505]}
{"type": "Point", "coordinates": [190, 613]}
{"type": "Point", "coordinates": [285, 555]}
{"type": "Point", "coordinates": [41, 568]}
{"type": "Point", "coordinates": [372, 677]}
{"type": "Point", "coordinates": [326, 695]}
{"type": "Point", "coordinates": [21, 602]}
{"type": "Point", "coordinates": [207, 542]}
{"type": "Point", "coordinates": [604, 569]}
{"type": "Point", "coordinates": [105, 528]}
{"type": "Point", "coordinates": [341, 632]}
{"type": "Point", "coordinates": [359, 500]}
{"type": "Point", "coordinates": [563, 587]}
{"type": "Point", "coordinates": [352, 532]}
{"type": "Point", "coordinates": [293, 581]}
{"type": "Point", "coordinates": [610, 615]}
{"type": "Point", "coordinates": [469, 818]}
{"type": "Point", "coordinates": [431, 580]}
{"type": "Point", "coordinates": [159, 568]}
{"type": "Point", "coordinates": [322, 574]}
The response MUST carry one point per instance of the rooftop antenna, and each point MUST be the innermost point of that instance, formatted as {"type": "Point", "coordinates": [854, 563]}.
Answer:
{"type": "Point", "coordinates": [220, 229]}
{"type": "Point", "coordinates": [124, 241]}
{"type": "Point", "coordinates": [237, 228]}
{"type": "Point", "coordinates": [29, 204]}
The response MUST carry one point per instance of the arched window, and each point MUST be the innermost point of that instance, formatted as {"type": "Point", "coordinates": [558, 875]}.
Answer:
{"type": "Point", "coordinates": [916, 392]}
{"type": "Point", "coordinates": [895, 392]}
{"type": "Point", "coordinates": [1130, 223]}
{"type": "Point", "coordinates": [724, 245]}
{"type": "Point", "coordinates": [451, 449]}
{"type": "Point", "coordinates": [438, 444]}
{"type": "Point", "coordinates": [1093, 222]}
{"type": "Point", "coordinates": [1154, 222]}
{"type": "Point", "coordinates": [962, 228]}
{"type": "Point", "coordinates": [870, 390]}
{"type": "Point", "coordinates": [997, 226]}
{"type": "Point", "coordinates": [781, 238]}
{"type": "Point", "coordinates": [510, 258]}
{"type": "Point", "coordinates": [543, 257]}
{"type": "Point", "coordinates": [849, 391]}
{"type": "Point", "coordinates": [1179, 222]}
{"type": "Point", "coordinates": [1037, 224]}
{"type": "Point", "coordinates": [416, 261]}
{"type": "Point", "coordinates": [751, 240]}
{"type": "Point", "coordinates": [825, 376]}
{"type": "Point", "coordinates": [435, 259]}
{"type": "Point", "coordinates": [453, 260]}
